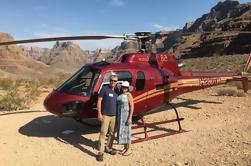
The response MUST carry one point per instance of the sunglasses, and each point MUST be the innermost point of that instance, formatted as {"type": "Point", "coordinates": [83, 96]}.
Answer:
{"type": "Point", "coordinates": [113, 80]}
{"type": "Point", "coordinates": [124, 87]}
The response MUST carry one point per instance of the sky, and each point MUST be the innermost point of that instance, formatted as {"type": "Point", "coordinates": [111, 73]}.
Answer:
{"type": "Point", "coordinates": [49, 18]}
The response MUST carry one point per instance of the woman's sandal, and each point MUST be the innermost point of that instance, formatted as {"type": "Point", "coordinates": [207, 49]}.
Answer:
{"type": "Point", "coordinates": [122, 151]}
{"type": "Point", "coordinates": [127, 153]}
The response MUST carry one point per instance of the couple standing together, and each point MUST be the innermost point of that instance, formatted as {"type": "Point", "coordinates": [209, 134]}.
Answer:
{"type": "Point", "coordinates": [115, 110]}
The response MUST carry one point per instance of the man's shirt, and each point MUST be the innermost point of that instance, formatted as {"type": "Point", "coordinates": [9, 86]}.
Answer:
{"type": "Point", "coordinates": [109, 100]}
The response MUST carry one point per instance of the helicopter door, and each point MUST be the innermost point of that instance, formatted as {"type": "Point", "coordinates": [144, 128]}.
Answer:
{"type": "Point", "coordinates": [140, 93]}
{"type": "Point", "coordinates": [156, 89]}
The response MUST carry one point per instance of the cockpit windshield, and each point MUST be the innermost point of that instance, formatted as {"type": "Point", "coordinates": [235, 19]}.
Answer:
{"type": "Point", "coordinates": [82, 82]}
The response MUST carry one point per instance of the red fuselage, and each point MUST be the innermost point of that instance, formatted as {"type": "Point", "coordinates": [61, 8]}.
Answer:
{"type": "Point", "coordinates": [156, 80]}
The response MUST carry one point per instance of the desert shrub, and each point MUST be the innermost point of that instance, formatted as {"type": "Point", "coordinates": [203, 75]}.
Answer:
{"type": "Point", "coordinates": [5, 83]}
{"type": "Point", "coordinates": [238, 84]}
{"type": "Point", "coordinates": [230, 92]}
{"type": "Point", "coordinates": [226, 92]}
{"type": "Point", "coordinates": [240, 94]}
{"type": "Point", "coordinates": [18, 94]}
{"type": "Point", "coordinates": [32, 91]}
{"type": "Point", "coordinates": [12, 100]}
{"type": "Point", "coordinates": [53, 82]}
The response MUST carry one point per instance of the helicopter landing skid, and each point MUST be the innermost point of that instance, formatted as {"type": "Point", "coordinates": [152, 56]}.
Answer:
{"type": "Point", "coordinates": [169, 132]}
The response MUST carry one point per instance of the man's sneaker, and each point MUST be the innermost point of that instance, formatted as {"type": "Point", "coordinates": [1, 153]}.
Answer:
{"type": "Point", "coordinates": [100, 157]}
{"type": "Point", "coordinates": [111, 152]}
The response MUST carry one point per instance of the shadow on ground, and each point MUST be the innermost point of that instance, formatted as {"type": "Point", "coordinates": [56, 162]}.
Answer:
{"type": "Point", "coordinates": [153, 126]}
{"type": "Point", "coordinates": [51, 126]}
{"type": "Point", "coordinates": [187, 103]}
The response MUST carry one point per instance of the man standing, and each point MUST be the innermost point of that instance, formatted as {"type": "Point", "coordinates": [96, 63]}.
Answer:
{"type": "Point", "coordinates": [107, 107]}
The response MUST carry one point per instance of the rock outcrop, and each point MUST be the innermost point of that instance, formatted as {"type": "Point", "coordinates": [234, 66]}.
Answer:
{"type": "Point", "coordinates": [224, 16]}
{"type": "Point", "coordinates": [14, 64]}
{"type": "Point", "coordinates": [124, 48]}
{"type": "Point", "coordinates": [35, 52]}
{"type": "Point", "coordinates": [215, 33]}
{"type": "Point", "coordinates": [66, 55]}
{"type": "Point", "coordinates": [63, 55]}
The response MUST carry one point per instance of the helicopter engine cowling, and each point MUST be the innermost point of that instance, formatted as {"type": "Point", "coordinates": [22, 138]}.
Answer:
{"type": "Point", "coordinates": [161, 61]}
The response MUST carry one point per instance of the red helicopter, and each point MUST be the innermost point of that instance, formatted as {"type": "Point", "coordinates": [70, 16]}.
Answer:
{"type": "Point", "coordinates": [156, 78]}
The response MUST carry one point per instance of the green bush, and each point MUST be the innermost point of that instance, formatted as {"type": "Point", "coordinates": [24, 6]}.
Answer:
{"type": "Point", "coordinates": [230, 92]}
{"type": "Point", "coordinates": [240, 94]}
{"type": "Point", "coordinates": [32, 91]}
{"type": "Point", "coordinates": [5, 84]}
{"type": "Point", "coordinates": [18, 94]}
{"type": "Point", "coordinates": [238, 85]}
{"type": "Point", "coordinates": [12, 100]}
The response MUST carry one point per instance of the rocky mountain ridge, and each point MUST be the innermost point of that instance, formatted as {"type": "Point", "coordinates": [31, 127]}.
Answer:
{"type": "Point", "coordinates": [213, 34]}
{"type": "Point", "coordinates": [14, 64]}
{"type": "Point", "coordinates": [225, 16]}
{"type": "Point", "coordinates": [65, 55]}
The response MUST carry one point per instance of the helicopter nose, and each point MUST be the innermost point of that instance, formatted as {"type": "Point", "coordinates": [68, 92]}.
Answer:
{"type": "Point", "coordinates": [62, 104]}
{"type": "Point", "coordinates": [50, 103]}
{"type": "Point", "coordinates": [72, 108]}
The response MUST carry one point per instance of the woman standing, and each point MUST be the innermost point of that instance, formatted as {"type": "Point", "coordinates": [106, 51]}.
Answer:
{"type": "Point", "coordinates": [124, 117]}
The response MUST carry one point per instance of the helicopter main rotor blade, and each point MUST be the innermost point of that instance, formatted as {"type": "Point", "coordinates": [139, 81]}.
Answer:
{"type": "Point", "coordinates": [203, 32]}
{"type": "Point", "coordinates": [101, 37]}
{"type": "Point", "coordinates": [63, 38]}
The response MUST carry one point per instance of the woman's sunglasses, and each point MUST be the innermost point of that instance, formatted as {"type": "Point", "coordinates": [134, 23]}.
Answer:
{"type": "Point", "coordinates": [124, 87]}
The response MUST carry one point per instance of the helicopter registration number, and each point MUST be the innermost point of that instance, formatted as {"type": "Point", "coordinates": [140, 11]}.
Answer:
{"type": "Point", "coordinates": [209, 81]}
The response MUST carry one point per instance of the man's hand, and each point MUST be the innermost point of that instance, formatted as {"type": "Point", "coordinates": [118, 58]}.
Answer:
{"type": "Point", "coordinates": [100, 117]}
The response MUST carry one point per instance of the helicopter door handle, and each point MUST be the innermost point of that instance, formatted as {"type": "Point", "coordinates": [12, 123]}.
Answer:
{"type": "Point", "coordinates": [94, 106]}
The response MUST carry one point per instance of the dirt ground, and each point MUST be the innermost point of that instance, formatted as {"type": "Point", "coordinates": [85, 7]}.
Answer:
{"type": "Point", "coordinates": [218, 134]}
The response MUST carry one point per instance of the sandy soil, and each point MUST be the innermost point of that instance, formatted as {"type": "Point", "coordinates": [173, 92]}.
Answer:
{"type": "Point", "coordinates": [219, 134]}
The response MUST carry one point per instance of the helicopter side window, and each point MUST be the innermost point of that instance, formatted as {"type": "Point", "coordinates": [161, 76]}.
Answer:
{"type": "Point", "coordinates": [140, 81]}
{"type": "Point", "coordinates": [122, 76]}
